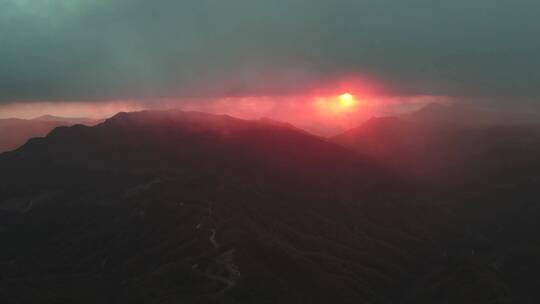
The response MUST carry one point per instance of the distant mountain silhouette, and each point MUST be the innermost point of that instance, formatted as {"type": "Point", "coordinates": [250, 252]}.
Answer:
{"type": "Point", "coordinates": [464, 114]}
{"type": "Point", "coordinates": [198, 143]}
{"type": "Point", "coordinates": [15, 132]}
{"type": "Point", "coordinates": [441, 139]}
{"type": "Point", "coordinates": [70, 120]}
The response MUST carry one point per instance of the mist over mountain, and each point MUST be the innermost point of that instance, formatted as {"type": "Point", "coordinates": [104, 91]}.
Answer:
{"type": "Point", "coordinates": [483, 172]}
{"type": "Point", "coordinates": [69, 120]}
{"type": "Point", "coordinates": [447, 140]}
{"type": "Point", "coordinates": [468, 114]}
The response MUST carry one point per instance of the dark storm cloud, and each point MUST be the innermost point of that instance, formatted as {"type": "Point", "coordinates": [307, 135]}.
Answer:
{"type": "Point", "coordinates": [84, 49]}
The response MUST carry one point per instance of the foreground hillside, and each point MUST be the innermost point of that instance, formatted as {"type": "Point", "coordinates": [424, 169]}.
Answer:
{"type": "Point", "coordinates": [184, 207]}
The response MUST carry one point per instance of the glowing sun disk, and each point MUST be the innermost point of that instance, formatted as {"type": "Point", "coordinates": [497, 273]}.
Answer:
{"type": "Point", "coordinates": [347, 100]}
{"type": "Point", "coordinates": [338, 104]}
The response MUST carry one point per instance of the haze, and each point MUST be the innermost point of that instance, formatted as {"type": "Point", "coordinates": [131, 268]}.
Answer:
{"type": "Point", "coordinates": [269, 151]}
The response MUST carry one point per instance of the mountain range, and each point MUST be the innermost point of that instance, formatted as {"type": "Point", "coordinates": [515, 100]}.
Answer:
{"type": "Point", "coordinates": [188, 207]}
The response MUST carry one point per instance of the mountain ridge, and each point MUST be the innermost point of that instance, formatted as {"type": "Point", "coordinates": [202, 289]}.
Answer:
{"type": "Point", "coordinates": [236, 216]}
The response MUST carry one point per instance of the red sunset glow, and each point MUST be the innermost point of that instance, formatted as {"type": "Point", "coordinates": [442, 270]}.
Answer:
{"type": "Point", "coordinates": [325, 110]}
{"type": "Point", "coordinates": [336, 105]}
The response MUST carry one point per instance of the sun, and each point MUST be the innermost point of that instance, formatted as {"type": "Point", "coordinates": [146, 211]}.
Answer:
{"type": "Point", "coordinates": [337, 104]}
{"type": "Point", "coordinates": [346, 100]}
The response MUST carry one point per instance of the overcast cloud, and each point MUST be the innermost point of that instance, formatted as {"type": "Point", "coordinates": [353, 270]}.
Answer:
{"type": "Point", "coordinates": [113, 49]}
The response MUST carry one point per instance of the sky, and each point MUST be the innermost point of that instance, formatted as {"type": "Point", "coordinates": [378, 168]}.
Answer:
{"type": "Point", "coordinates": [142, 52]}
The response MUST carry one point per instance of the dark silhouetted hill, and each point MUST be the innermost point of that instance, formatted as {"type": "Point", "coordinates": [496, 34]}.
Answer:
{"type": "Point", "coordinates": [15, 132]}
{"type": "Point", "coordinates": [168, 206]}
{"type": "Point", "coordinates": [187, 207]}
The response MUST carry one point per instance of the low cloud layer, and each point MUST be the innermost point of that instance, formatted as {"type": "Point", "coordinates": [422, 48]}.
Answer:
{"type": "Point", "coordinates": [120, 49]}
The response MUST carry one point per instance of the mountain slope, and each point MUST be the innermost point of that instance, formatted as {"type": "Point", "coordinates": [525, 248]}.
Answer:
{"type": "Point", "coordinates": [198, 144]}
{"type": "Point", "coordinates": [486, 177]}
{"type": "Point", "coordinates": [440, 141]}
{"type": "Point", "coordinates": [174, 206]}
{"type": "Point", "coordinates": [15, 132]}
